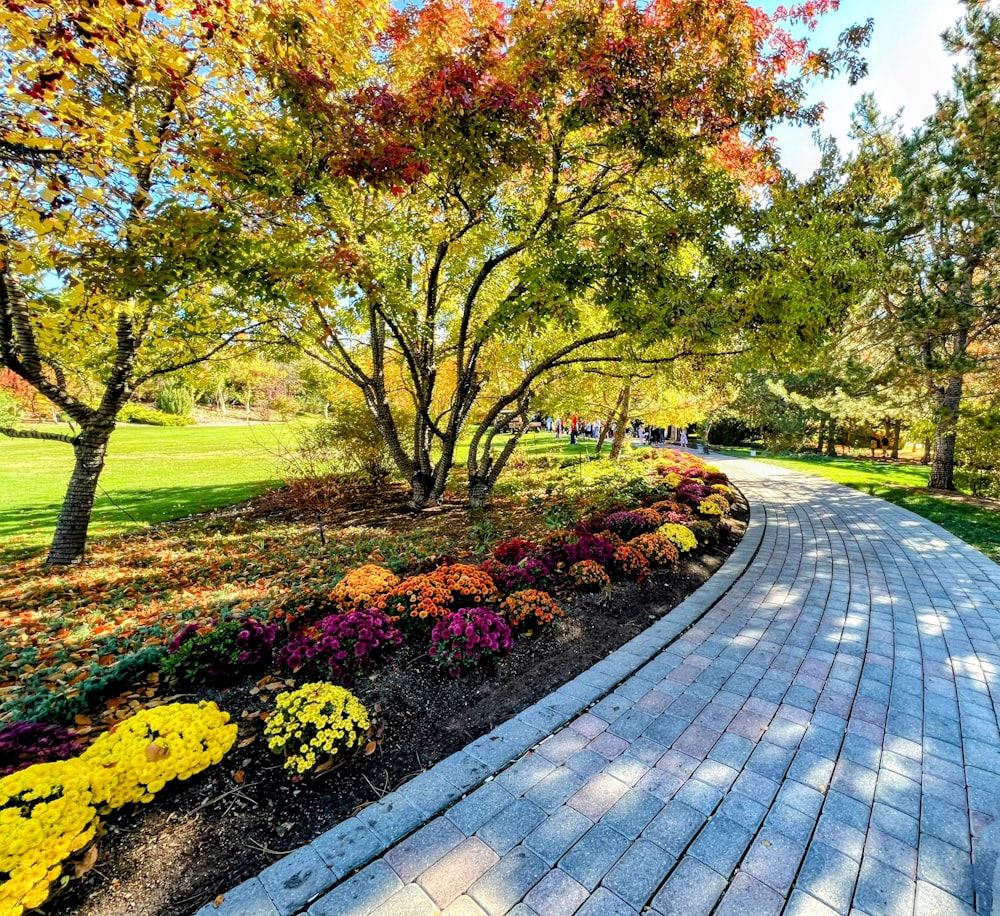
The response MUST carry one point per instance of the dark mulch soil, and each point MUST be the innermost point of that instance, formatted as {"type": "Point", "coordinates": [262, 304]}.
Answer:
{"type": "Point", "coordinates": [200, 838]}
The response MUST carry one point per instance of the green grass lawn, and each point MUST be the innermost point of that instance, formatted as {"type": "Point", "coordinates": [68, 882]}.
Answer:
{"type": "Point", "coordinates": [900, 484]}
{"type": "Point", "coordinates": [153, 474]}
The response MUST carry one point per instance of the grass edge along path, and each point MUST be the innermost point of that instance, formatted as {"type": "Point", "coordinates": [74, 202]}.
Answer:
{"type": "Point", "coordinates": [903, 485]}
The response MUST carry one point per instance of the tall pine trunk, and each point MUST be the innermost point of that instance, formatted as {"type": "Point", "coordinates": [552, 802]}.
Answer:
{"type": "Point", "coordinates": [70, 539]}
{"type": "Point", "coordinates": [822, 435]}
{"type": "Point", "coordinates": [897, 429]}
{"type": "Point", "coordinates": [949, 399]}
{"type": "Point", "coordinates": [831, 440]}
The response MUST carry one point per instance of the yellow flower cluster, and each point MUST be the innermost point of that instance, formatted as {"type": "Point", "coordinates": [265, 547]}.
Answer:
{"type": "Point", "coordinates": [728, 492]}
{"type": "Point", "coordinates": [47, 813]}
{"type": "Point", "coordinates": [314, 722]}
{"type": "Point", "coordinates": [133, 762]}
{"type": "Point", "coordinates": [363, 587]}
{"type": "Point", "coordinates": [680, 536]}
{"type": "Point", "coordinates": [715, 504]}
{"type": "Point", "coordinates": [673, 480]}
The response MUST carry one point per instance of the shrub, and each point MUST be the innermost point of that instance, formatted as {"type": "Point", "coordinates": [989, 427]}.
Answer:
{"type": "Point", "coordinates": [467, 637]}
{"type": "Point", "coordinates": [704, 532]}
{"type": "Point", "coordinates": [342, 647]}
{"type": "Point", "coordinates": [47, 813]}
{"type": "Point", "coordinates": [315, 722]}
{"type": "Point", "coordinates": [530, 607]}
{"type": "Point", "coordinates": [468, 585]}
{"type": "Point", "coordinates": [513, 551]}
{"type": "Point", "coordinates": [715, 504]}
{"type": "Point", "coordinates": [437, 593]}
{"type": "Point", "coordinates": [349, 441]}
{"type": "Point", "coordinates": [680, 536]}
{"type": "Point", "coordinates": [532, 572]}
{"type": "Point", "coordinates": [363, 587]}
{"type": "Point", "coordinates": [629, 563]}
{"type": "Point", "coordinates": [588, 576]}
{"type": "Point", "coordinates": [23, 744]}
{"type": "Point", "coordinates": [630, 522]}
{"type": "Point", "coordinates": [692, 492]}
{"type": "Point", "coordinates": [657, 549]}
{"type": "Point", "coordinates": [139, 413]}
{"type": "Point", "coordinates": [175, 400]}
{"type": "Point", "coordinates": [144, 753]}
{"type": "Point", "coordinates": [224, 652]}
{"type": "Point", "coordinates": [568, 550]}
{"type": "Point", "coordinates": [417, 598]}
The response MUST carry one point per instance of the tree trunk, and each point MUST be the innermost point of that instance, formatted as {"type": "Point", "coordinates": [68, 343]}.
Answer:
{"type": "Point", "coordinates": [70, 538]}
{"type": "Point", "coordinates": [822, 435]}
{"type": "Point", "coordinates": [926, 457]}
{"type": "Point", "coordinates": [622, 429]}
{"type": "Point", "coordinates": [948, 399]}
{"type": "Point", "coordinates": [897, 429]}
{"type": "Point", "coordinates": [607, 423]}
{"type": "Point", "coordinates": [479, 491]}
{"type": "Point", "coordinates": [831, 441]}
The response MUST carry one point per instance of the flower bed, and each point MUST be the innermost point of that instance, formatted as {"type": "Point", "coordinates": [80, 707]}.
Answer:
{"type": "Point", "coordinates": [459, 614]}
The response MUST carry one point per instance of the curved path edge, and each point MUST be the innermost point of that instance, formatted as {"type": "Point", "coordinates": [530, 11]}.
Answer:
{"type": "Point", "coordinates": [288, 886]}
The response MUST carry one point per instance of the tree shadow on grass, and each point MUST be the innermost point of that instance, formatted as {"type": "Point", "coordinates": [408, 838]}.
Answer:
{"type": "Point", "coordinates": [25, 533]}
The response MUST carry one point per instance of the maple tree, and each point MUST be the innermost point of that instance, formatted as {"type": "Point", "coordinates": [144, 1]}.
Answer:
{"type": "Point", "coordinates": [112, 234]}
{"type": "Point", "coordinates": [537, 179]}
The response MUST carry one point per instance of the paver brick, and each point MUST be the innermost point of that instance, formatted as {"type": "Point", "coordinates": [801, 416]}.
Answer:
{"type": "Point", "coordinates": [453, 874]}
{"type": "Point", "coordinates": [477, 808]}
{"type": "Point", "coordinates": [883, 891]}
{"type": "Point", "coordinates": [507, 828]}
{"type": "Point", "coordinates": [422, 849]}
{"type": "Point", "coordinates": [593, 855]}
{"type": "Point", "coordinates": [557, 833]}
{"type": "Point", "coordinates": [557, 894]}
{"type": "Point", "coordinates": [361, 894]}
{"type": "Point", "coordinates": [748, 895]}
{"type": "Point", "coordinates": [828, 876]}
{"type": "Point", "coordinates": [597, 795]}
{"type": "Point", "coordinates": [639, 872]}
{"type": "Point", "coordinates": [508, 881]}
{"type": "Point", "coordinates": [294, 880]}
{"type": "Point", "coordinates": [692, 890]}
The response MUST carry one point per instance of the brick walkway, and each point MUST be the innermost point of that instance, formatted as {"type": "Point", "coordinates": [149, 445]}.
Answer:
{"type": "Point", "coordinates": [822, 740]}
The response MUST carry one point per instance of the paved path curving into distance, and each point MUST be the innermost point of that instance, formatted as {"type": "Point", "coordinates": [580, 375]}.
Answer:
{"type": "Point", "coordinates": [820, 738]}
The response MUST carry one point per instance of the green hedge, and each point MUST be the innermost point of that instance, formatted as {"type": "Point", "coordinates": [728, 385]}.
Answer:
{"type": "Point", "coordinates": [139, 413]}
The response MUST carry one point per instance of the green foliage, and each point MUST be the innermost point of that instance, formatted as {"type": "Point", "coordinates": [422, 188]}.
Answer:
{"type": "Point", "coordinates": [977, 454]}
{"type": "Point", "coordinates": [11, 408]}
{"type": "Point", "coordinates": [140, 413]}
{"type": "Point", "coordinates": [176, 400]}
{"type": "Point", "coordinates": [202, 657]}
{"type": "Point", "coordinates": [102, 683]}
{"type": "Point", "coordinates": [349, 441]}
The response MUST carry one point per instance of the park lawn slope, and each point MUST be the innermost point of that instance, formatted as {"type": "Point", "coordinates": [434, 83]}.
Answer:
{"type": "Point", "coordinates": [152, 475]}
{"type": "Point", "coordinates": [974, 521]}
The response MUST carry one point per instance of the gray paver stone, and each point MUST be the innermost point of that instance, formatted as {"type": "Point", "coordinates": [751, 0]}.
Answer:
{"type": "Point", "coordinates": [294, 880]}
{"type": "Point", "coordinates": [358, 896]}
{"type": "Point", "coordinates": [508, 881]}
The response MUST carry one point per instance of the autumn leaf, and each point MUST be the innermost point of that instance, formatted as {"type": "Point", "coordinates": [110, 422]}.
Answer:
{"type": "Point", "coordinates": [86, 863]}
{"type": "Point", "coordinates": [370, 748]}
{"type": "Point", "coordinates": [156, 751]}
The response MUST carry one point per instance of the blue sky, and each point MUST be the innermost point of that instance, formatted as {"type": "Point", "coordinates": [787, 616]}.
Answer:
{"type": "Point", "coordinates": [906, 61]}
